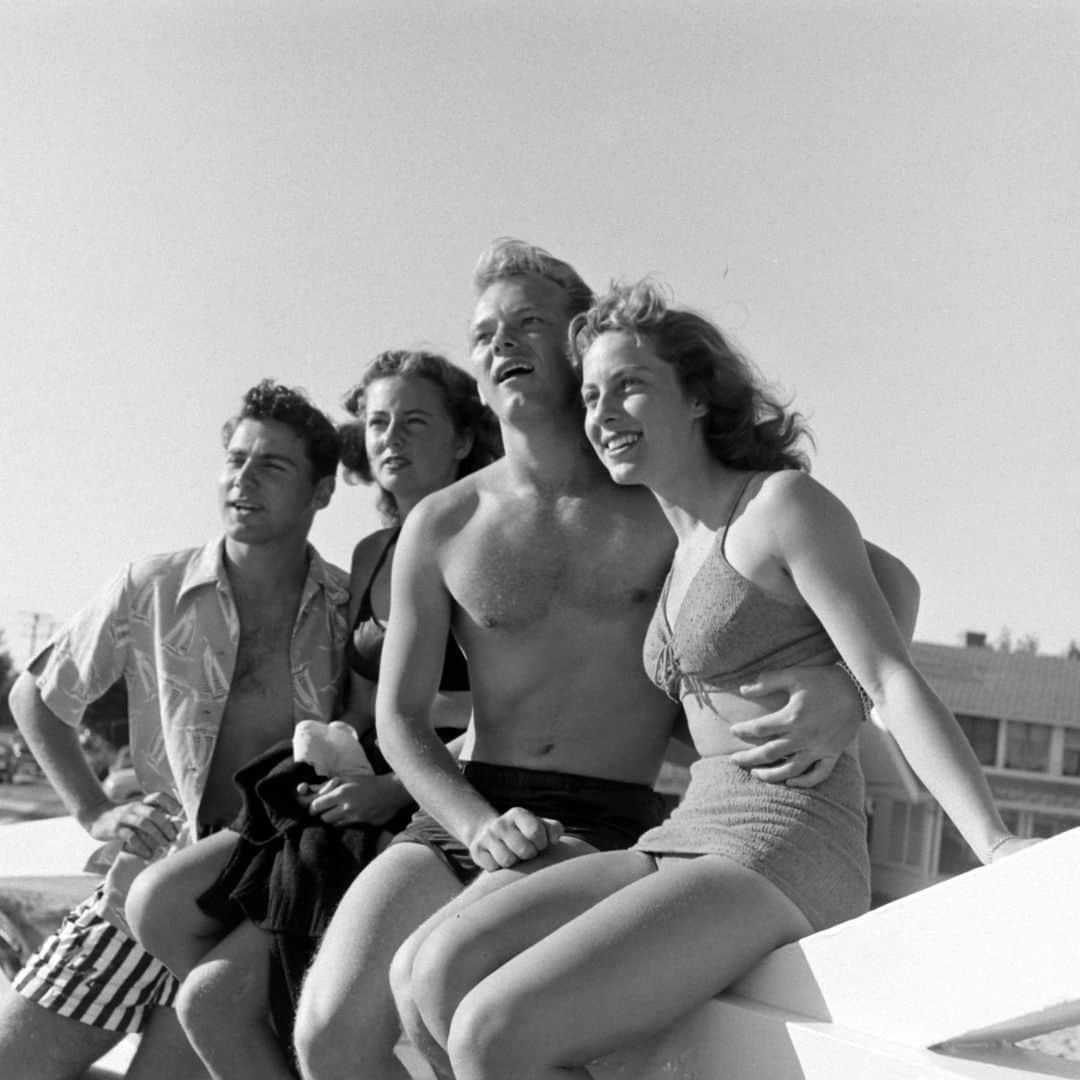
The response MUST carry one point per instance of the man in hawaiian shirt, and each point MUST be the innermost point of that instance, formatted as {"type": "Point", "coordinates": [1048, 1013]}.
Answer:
{"type": "Point", "coordinates": [223, 649]}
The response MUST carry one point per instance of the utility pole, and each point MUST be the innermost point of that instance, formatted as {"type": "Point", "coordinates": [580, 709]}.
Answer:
{"type": "Point", "coordinates": [41, 626]}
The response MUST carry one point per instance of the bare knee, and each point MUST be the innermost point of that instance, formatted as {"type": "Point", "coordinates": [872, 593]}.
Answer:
{"type": "Point", "coordinates": [401, 977]}
{"type": "Point", "coordinates": [330, 1039]}
{"type": "Point", "coordinates": [199, 1005]}
{"type": "Point", "coordinates": [440, 975]}
{"type": "Point", "coordinates": [483, 1040]}
{"type": "Point", "coordinates": [215, 989]}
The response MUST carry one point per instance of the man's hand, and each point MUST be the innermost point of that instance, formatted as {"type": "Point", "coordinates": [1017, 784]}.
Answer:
{"type": "Point", "coordinates": [146, 825]}
{"type": "Point", "coordinates": [364, 800]}
{"type": "Point", "coordinates": [799, 743]}
{"type": "Point", "coordinates": [514, 836]}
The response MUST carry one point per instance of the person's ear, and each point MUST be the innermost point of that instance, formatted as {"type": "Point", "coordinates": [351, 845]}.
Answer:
{"type": "Point", "coordinates": [324, 488]}
{"type": "Point", "coordinates": [464, 446]}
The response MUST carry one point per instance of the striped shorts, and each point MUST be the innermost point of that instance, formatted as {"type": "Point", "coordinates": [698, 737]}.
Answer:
{"type": "Point", "coordinates": [92, 972]}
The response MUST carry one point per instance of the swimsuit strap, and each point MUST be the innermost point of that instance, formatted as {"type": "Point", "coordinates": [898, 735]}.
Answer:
{"type": "Point", "coordinates": [662, 603]}
{"type": "Point", "coordinates": [364, 610]}
{"type": "Point", "coordinates": [734, 509]}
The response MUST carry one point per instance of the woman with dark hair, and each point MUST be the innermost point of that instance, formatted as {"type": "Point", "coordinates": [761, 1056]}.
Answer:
{"type": "Point", "coordinates": [419, 425]}
{"type": "Point", "coordinates": [464, 409]}
{"type": "Point", "coordinates": [238, 916]}
{"type": "Point", "coordinates": [770, 570]}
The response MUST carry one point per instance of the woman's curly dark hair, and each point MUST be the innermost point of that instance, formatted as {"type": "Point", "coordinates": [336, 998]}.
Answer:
{"type": "Point", "coordinates": [468, 414]}
{"type": "Point", "coordinates": [745, 426]}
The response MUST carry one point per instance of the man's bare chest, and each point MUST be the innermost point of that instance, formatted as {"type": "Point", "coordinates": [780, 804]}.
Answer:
{"type": "Point", "coordinates": [263, 665]}
{"type": "Point", "coordinates": [521, 576]}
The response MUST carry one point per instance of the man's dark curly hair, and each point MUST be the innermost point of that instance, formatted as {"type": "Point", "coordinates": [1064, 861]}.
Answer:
{"type": "Point", "coordinates": [467, 413]}
{"type": "Point", "coordinates": [269, 400]}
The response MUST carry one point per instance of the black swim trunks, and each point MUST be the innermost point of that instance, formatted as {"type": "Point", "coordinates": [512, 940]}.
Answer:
{"type": "Point", "coordinates": [608, 814]}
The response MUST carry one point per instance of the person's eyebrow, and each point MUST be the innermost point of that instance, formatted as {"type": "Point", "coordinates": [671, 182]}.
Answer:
{"type": "Point", "coordinates": [276, 458]}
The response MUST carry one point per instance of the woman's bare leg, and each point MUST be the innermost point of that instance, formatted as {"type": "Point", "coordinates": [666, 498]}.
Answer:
{"type": "Point", "coordinates": [464, 943]}
{"type": "Point", "coordinates": [624, 969]}
{"type": "Point", "coordinates": [433, 969]}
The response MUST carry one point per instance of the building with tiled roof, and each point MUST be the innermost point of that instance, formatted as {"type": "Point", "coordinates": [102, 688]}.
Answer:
{"type": "Point", "coordinates": [1021, 714]}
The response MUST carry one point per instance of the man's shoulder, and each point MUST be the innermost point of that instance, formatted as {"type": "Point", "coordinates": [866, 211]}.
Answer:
{"type": "Point", "coordinates": [327, 577]}
{"type": "Point", "coordinates": [164, 561]}
{"type": "Point", "coordinates": [445, 511]}
{"type": "Point", "coordinates": [635, 506]}
{"type": "Point", "coordinates": [172, 564]}
{"type": "Point", "coordinates": [336, 578]}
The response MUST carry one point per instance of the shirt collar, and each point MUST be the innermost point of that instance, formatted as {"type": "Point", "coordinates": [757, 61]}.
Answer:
{"type": "Point", "coordinates": [207, 567]}
{"type": "Point", "coordinates": [319, 576]}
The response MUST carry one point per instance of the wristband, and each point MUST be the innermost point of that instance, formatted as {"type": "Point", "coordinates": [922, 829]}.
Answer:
{"type": "Point", "coordinates": [864, 697]}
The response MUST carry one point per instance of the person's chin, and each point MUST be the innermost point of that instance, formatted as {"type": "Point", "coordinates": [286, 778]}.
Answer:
{"type": "Point", "coordinates": [241, 532]}
{"type": "Point", "coordinates": [623, 472]}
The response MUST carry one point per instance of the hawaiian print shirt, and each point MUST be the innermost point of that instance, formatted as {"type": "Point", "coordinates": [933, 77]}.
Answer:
{"type": "Point", "coordinates": [168, 625]}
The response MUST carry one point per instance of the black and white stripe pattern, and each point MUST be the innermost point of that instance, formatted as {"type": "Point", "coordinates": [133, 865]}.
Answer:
{"type": "Point", "coordinates": [92, 972]}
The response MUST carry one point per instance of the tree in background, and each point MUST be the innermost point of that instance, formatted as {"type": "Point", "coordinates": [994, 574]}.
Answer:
{"type": "Point", "coordinates": [7, 677]}
{"type": "Point", "coordinates": [1027, 643]}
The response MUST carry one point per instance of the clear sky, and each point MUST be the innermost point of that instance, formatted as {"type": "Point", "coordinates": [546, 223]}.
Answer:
{"type": "Point", "coordinates": [878, 200]}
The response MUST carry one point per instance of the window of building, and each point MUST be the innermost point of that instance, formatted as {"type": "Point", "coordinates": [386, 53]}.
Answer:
{"type": "Point", "coordinates": [907, 829]}
{"type": "Point", "coordinates": [897, 831]}
{"type": "Point", "coordinates": [1027, 746]}
{"type": "Point", "coordinates": [913, 853]}
{"type": "Point", "coordinates": [1070, 763]}
{"type": "Point", "coordinates": [1046, 825]}
{"type": "Point", "coordinates": [982, 733]}
{"type": "Point", "coordinates": [955, 856]}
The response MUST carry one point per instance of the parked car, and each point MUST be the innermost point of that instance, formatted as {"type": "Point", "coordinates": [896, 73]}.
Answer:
{"type": "Point", "coordinates": [7, 762]}
{"type": "Point", "coordinates": [16, 759]}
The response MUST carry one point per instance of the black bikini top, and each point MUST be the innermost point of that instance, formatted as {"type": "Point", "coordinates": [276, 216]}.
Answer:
{"type": "Point", "coordinates": [363, 650]}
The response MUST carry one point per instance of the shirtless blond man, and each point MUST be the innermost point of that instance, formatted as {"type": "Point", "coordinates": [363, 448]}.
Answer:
{"type": "Point", "coordinates": [548, 574]}
{"type": "Point", "coordinates": [223, 649]}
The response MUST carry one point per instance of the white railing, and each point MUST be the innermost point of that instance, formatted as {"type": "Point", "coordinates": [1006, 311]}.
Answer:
{"type": "Point", "coordinates": [939, 984]}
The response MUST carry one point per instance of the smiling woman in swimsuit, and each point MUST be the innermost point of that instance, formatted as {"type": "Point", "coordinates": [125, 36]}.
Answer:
{"type": "Point", "coordinates": [238, 918]}
{"type": "Point", "coordinates": [770, 570]}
